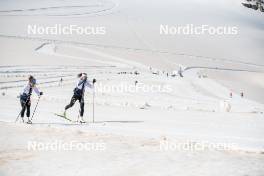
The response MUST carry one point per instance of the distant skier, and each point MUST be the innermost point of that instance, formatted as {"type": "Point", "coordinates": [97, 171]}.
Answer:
{"type": "Point", "coordinates": [61, 81]}
{"type": "Point", "coordinates": [242, 94]}
{"type": "Point", "coordinates": [79, 94]}
{"type": "Point", "coordinates": [25, 95]}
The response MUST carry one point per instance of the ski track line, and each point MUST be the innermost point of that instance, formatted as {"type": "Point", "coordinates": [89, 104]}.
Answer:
{"type": "Point", "coordinates": [43, 78]}
{"type": "Point", "coordinates": [130, 48]}
{"type": "Point", "coordinates": [40, 83]}
{"type": "Point", "coordinates": [105, 7]}
{"type": "Point", "coordinates": [25, 80]}
{"type": "Point", "coordinates": [123, 63]}
{"type": "Point", "coordinates": [47, 8]}
{"type": "Point", "coordinates": [219, 68]}
{"type": "Point", "coordinates": [59, 67]}
{"type": "Point", "coordinates": [86, 59]}
{"type": "Point", "coordinates": [44, 71]}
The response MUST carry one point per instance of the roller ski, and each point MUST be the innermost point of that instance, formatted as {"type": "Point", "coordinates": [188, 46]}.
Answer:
{"type": "Point", "coordinates": [63, 116]}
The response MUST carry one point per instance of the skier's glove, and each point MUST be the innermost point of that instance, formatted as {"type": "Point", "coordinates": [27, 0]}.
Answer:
{"type": "Point", "coordinates": [94, 81]}
{"type": "Point", "coordinates": [40, 93]}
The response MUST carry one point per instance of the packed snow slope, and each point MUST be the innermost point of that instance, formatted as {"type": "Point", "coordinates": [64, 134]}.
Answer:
{"type": "Point", "coordinates": [133, 32]}
{"type": "Point", "coordinates": [132, 125]}
{"type": "Point", "coordinates": [195, 108]}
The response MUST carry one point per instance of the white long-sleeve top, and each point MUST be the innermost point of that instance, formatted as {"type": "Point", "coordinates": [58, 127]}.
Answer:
{"type": "Point", "coordinates": [27, 88]}
{"type": "Point", "coordinates": [80, 83]}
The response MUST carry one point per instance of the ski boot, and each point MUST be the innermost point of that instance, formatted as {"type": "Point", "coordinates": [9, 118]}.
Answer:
{"type": "Point", "coordinates": [82, 120]}
{"type": "Point", "coordinates": [29, 121]}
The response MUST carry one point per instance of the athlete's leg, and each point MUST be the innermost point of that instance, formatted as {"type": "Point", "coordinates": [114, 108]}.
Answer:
{"type": "Point", "coordinates": [81, 107]}
{"type": "Point", "coordinates": [23, 105]}
{"type": "Point", "coordinates": [73, 100]}
{"type": "Point", "coordinates": [28, 104]}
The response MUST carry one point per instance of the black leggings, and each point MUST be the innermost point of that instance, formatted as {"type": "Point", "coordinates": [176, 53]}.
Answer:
{"type": "Point", "coordinates": [25, 106]}
{"type": "Point", "coordinates": [73, 100]}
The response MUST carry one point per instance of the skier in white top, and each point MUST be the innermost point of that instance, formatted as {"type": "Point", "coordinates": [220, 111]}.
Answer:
{"type": "Point", "coordinates": [25, 95]}
{"type": "Point", "coordinates": [78, 94]}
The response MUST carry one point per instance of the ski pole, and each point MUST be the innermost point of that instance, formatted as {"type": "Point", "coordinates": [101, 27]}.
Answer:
{"type": "Point", "coordinates": [20, 113]}
{"type": "Point", "coordinates": [93, 106]}
{"type": "Point", "coordinates": [35, 109]}
{"type": "Point", "coordinates": [94, 81]}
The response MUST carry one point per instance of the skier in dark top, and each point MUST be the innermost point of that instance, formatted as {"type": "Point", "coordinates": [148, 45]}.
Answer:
{"type": "Point", "coordinates": [25, 95]}
{"type": "Point", "coordinates": [79, 94]}
{"type": "Point", "coordinates": [242, 94]}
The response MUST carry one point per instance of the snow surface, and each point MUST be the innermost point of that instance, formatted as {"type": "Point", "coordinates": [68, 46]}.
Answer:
{"type": "Point", "coordinates": [132, 125]}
